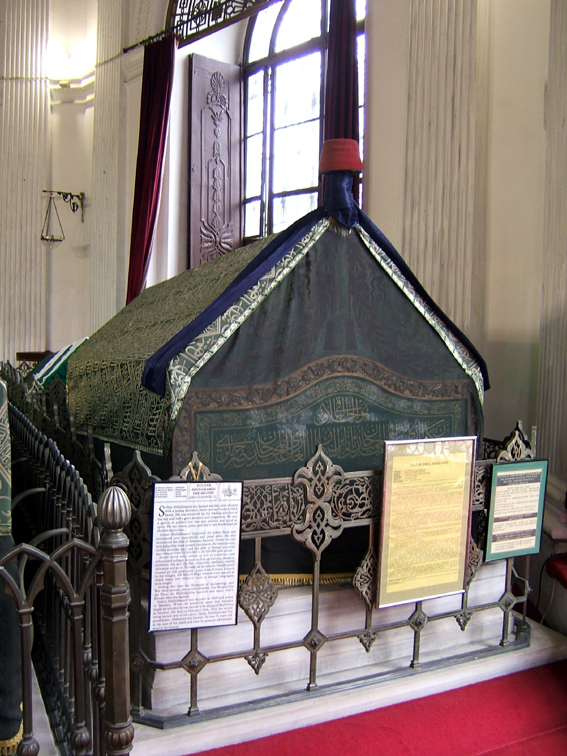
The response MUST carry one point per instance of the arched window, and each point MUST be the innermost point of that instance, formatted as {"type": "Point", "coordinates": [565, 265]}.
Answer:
{"type": "Point", "coordinates": [284, 79]}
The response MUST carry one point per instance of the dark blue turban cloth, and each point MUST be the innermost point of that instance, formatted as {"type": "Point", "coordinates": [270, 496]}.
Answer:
{"type": "Point", "coordinates": [339, 204]}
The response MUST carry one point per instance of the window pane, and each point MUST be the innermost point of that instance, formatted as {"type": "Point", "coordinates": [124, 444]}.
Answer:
{"type": "Point", "coordinates": [262, 34]}
{"type": "Point", "coordinates": [296, 157]}
{"type": "Point", "coordinates": [301, 22]}
{"type": "Point", "coordinates": [252, 218]}
{"type": "Point", "coordinates": [360, 9]}
{"type": "Point", "coordinates": [288, 209]}
{"type": "Point", "coordinates": [297, 90]}
{"type": "Point", "coordinates": [254, 166]}
{"type": "Point", "coordinates": [255, 103]}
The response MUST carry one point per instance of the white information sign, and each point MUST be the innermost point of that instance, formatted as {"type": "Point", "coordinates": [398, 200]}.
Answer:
{"type": "Point", "coordinates": [196, 538]}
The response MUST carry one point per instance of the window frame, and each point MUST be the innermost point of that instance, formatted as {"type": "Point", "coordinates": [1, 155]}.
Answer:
{"type": "Point", "coordinates": [268, 66]}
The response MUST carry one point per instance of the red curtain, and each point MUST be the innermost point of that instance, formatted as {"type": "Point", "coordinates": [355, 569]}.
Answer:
{"type": "Point", "coordinates": [341, 89]}
{"type": "Point", "coordinates": [154, 113]}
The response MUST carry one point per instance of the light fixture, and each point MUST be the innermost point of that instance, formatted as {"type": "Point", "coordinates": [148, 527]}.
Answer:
{"type": "Point", "coordinates": [52, 230]}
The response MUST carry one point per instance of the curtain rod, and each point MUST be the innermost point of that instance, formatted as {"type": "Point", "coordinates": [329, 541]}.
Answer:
{"type": "Point", "coordinates": [154, 38]}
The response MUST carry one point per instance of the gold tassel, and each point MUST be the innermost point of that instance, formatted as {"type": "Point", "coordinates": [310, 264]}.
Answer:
{"type": "Point", "coordinates": [291, 580]}
{"type": "Point", "coordinates": [10, 747]}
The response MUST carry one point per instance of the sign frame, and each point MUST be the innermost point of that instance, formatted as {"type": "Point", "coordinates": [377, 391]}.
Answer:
{"type": "Point", "coordinates": [532, 505]}
{"type": "Point", "coordinates": [419, 476]}
{"type": "Point", "coordinates": [196, 527]}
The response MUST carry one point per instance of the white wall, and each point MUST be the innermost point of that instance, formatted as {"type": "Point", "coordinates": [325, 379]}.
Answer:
{"type": "Point", "coordinates": [518, 44]}
{"type": "Point", "coordinates": [71, 58]}
{"type": "Point", "coordinates": [171, 242]}
{"type": "Point", "coordinates": [518, 50]}
{"type": "Point", "coordinates": [519, 37]}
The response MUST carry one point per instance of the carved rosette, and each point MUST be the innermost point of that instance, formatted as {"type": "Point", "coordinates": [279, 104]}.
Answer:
{"type": "Point", "coordinates": [463, 619]}
{"type": "Point", "coordinates": [256, 661]}
{"type": "Point", "coordinates": [418, 620]}
{"type": "Point", "coordinates": [194, 662]}
{"type": "Point", "coordinates": [319, 527]}
{"type": "Point", "coordinates": [367, 639]}
{"type": "Point", "coordinates": [507, 601]}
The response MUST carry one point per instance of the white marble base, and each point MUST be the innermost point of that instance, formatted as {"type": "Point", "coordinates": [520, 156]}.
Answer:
{"type": "Point", "coordinates": [227, 683]}
{"type": "Point", "coordinates": [341, 610]}
{"type": "Point", "coordinates": [546, 646]}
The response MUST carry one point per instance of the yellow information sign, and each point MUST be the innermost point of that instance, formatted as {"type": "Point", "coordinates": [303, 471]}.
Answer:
{"type": "Point", "coordinates": [425, 519]}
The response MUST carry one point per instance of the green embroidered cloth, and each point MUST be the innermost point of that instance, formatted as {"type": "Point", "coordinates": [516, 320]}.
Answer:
{"type": "Point", "coordinates": [328, 286]}
{"type": "Point", "coordinates": [5, 465]}
{"type": "Point", "coordinates": [104, 375]}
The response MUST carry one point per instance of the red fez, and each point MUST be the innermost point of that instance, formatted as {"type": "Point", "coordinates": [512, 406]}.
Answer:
{"type": "Point", "coordinates": [340, 155]}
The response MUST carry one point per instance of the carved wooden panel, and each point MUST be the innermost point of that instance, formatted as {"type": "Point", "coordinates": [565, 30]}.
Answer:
{"type": "Point", "coordinates": [215, 175]}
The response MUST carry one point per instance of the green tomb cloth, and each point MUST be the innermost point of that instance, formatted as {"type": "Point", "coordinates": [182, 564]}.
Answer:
{"type": "Point", "coordinates": [345, 297]}
{"type": "Point", "coordinates": [5, 466]}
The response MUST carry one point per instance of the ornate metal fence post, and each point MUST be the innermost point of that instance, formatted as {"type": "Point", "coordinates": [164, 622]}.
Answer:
{"type": "Point", "coordinates": [114, 512]}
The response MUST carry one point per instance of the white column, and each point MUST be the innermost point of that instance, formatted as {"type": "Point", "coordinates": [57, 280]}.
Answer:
{"type": "Point", "coordinates": [24, 161]}
{"type": "Point", "coordinates": [440, 211]}
{"type": "Point", "coordinates": [426, 143]}
{"type": "Point", "coordinates": [107, 258]}
{"type": "Point", "coordinates": [552, 400]}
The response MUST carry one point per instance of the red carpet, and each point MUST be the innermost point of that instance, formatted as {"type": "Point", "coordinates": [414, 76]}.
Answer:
{"type": "Point", "coordinates": [523, 714]}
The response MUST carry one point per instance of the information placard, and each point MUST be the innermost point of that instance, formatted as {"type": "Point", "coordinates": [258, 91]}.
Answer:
{"type": "Point", "coordinates": [515, 515]}
{"type": "Point", "coordinates": [194, 569]}
{"type": "Point", "coordinates": [425, 519]}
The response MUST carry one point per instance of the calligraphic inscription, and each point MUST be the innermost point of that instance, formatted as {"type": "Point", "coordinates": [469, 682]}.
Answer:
{"type": "Point", "coordinates": [350, 417]}
{"type": "Point", "coordinates": [196, 538]}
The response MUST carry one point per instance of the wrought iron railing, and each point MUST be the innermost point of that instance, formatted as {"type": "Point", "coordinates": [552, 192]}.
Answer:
{"type": "Point", "coordinates": [314, 508]}
{"type": "Point", "coordinates": [71, 581]}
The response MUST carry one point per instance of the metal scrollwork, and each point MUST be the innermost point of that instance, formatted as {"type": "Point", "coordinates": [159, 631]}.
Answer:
{"type": "Point", "coordinates": [196, 470]}
{"type": "Point", "coordinates": [320, 526]}
{"type": "Point", "coordinates": [368, 638]}
{"type": "Point", "coordinates": [475, 561]}
{"type": "Point", "coordinates": [256, 661]}
{"type": "Point", "coordinates": [137, 479]}
{"type": "Point", "coordinates": [194, 18]}
{"type": "Point", "coordinates": [463, 619]}
{"type": "Point", "coordinates": [481, 485]}
{"type": "Point", "coordinates": [257, 595]}
{"type": "Point", "coordinates": [365, 578]}
{"type": "Point", "coordinates": [516, 446]}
